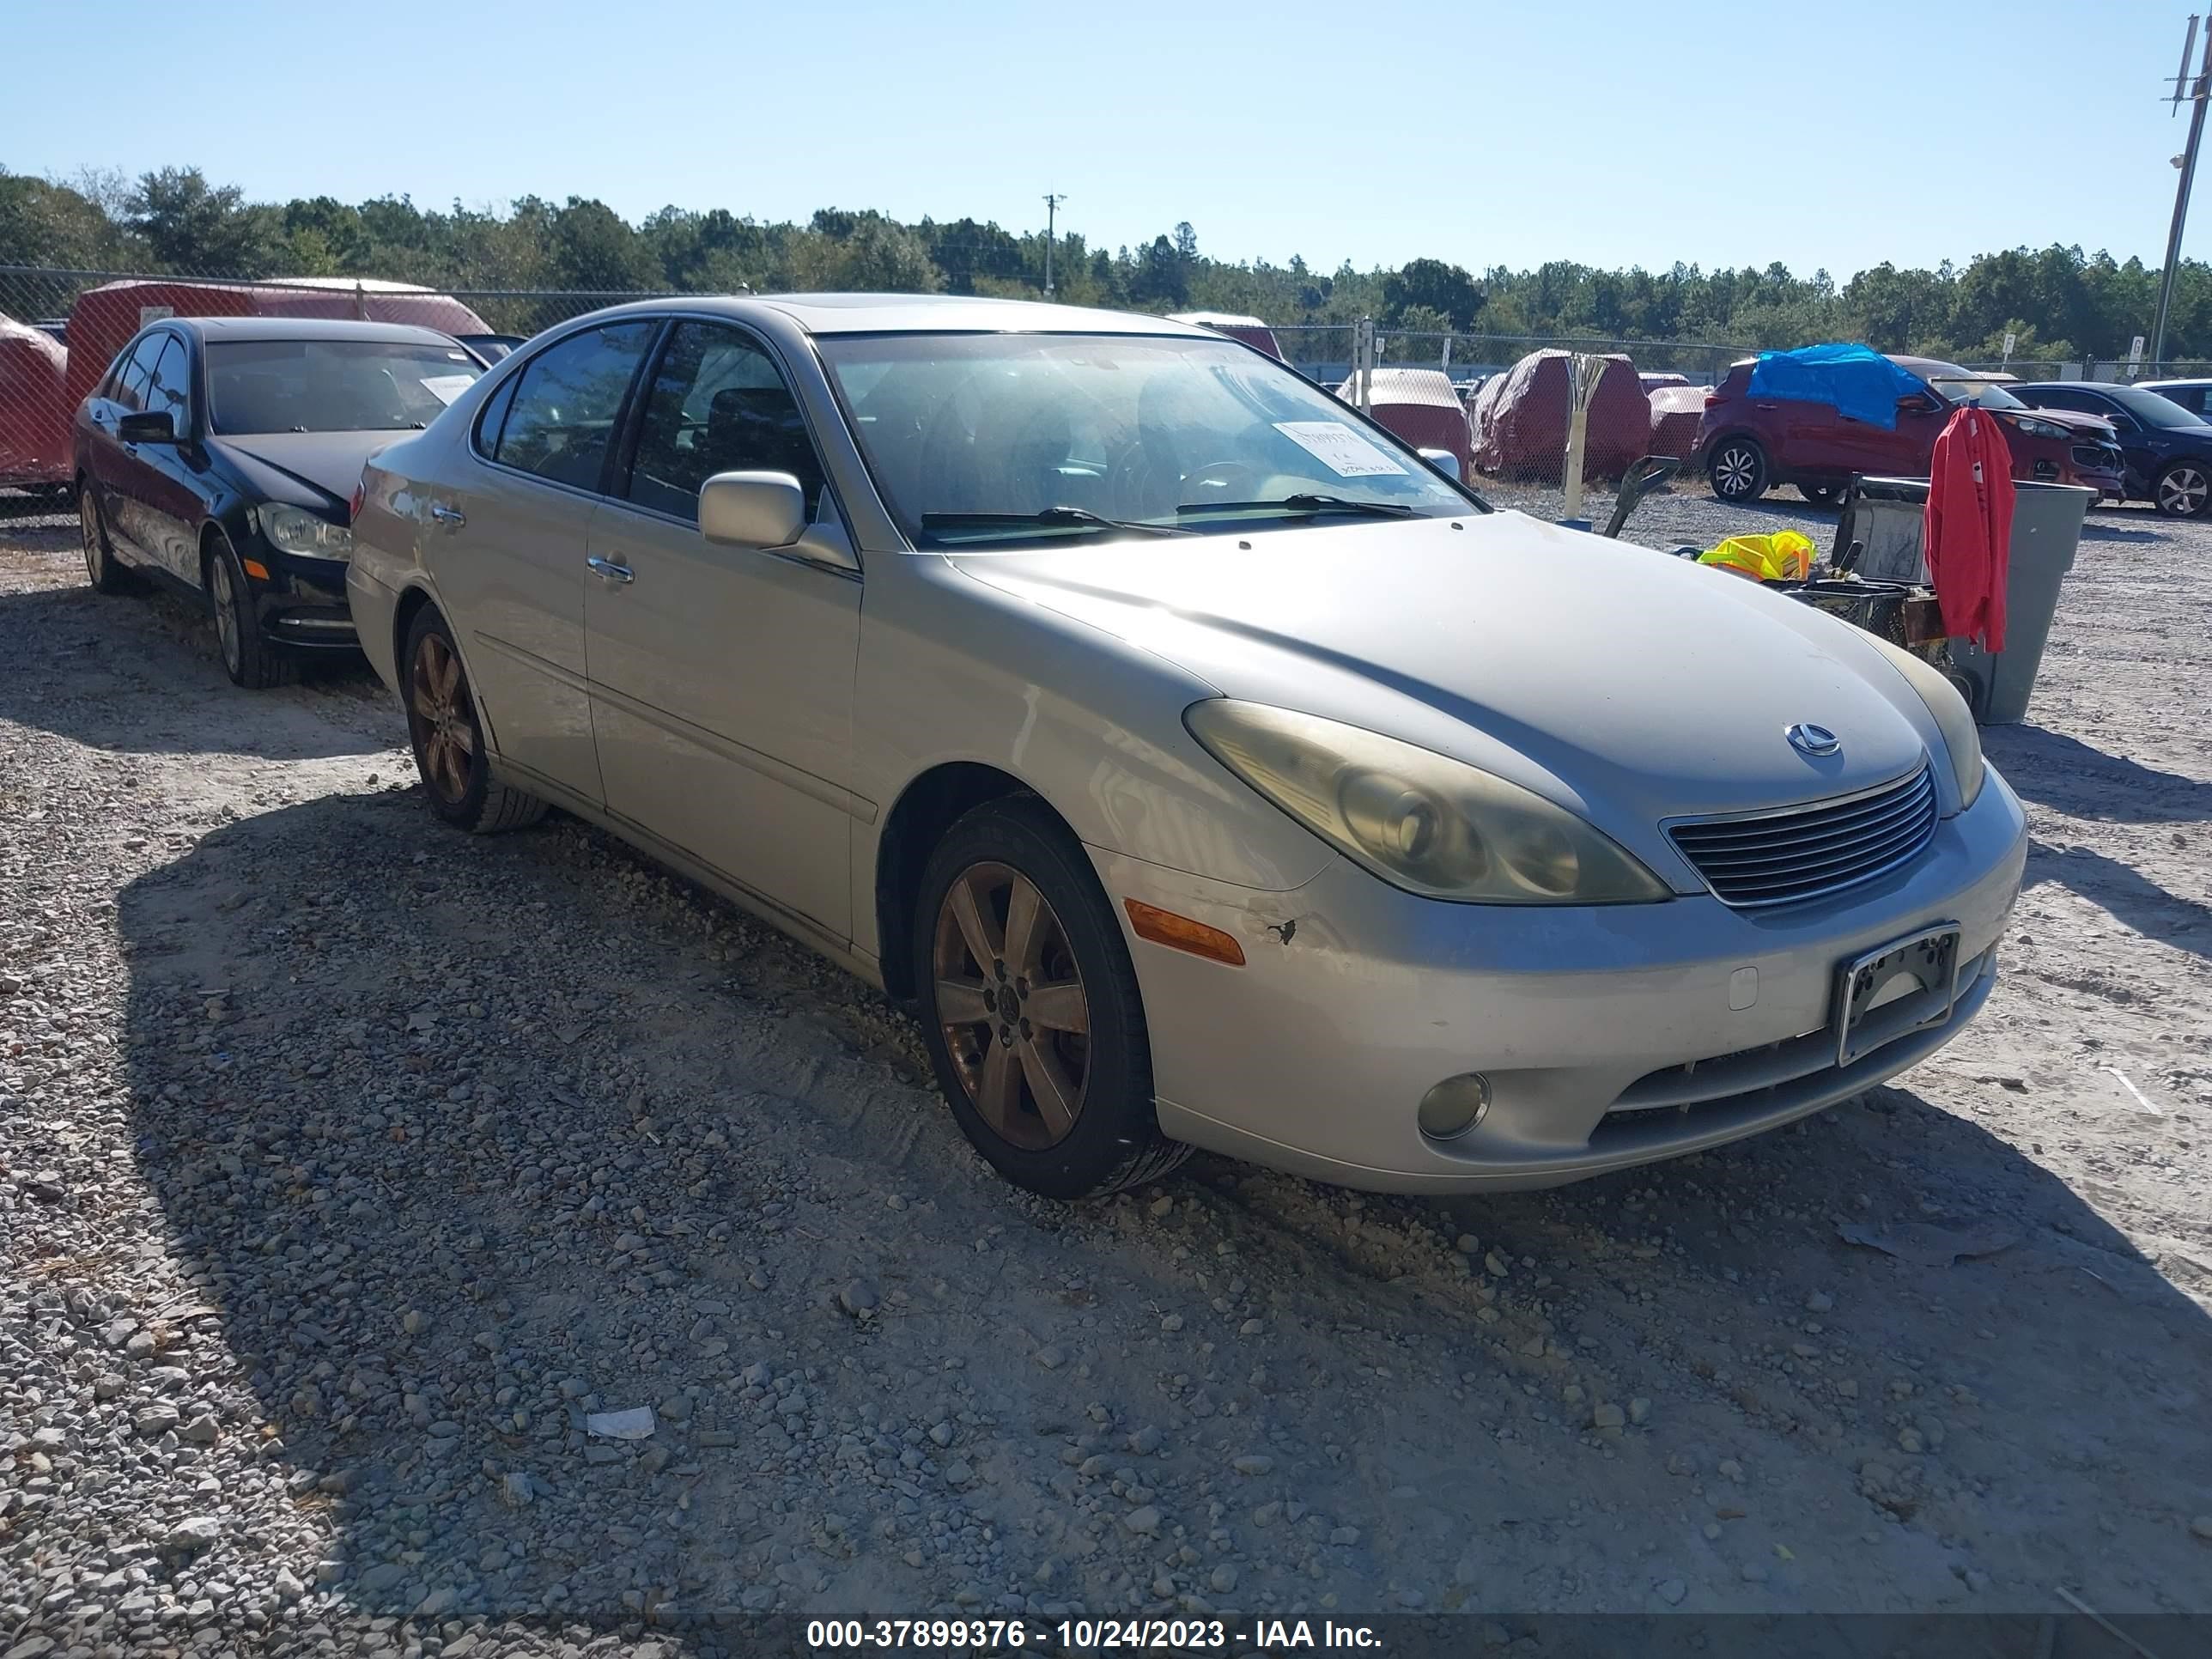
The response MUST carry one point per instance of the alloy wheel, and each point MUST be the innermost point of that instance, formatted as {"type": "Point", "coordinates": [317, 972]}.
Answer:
{"type": "Point", "coordinates": [224, 592]}
{"type": "Point", "coordinates": [444, 725]}
{"type": "Point", "coordinates": [2183, 492]}
{"type": "Point", "coordinates": [1734, 470]}
{"type": "Point", "coordinates": [1011, 1001]}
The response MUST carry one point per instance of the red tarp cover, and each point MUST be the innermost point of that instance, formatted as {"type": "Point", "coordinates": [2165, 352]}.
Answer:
{"type": "Point", "coordinates": [104, 318]}
{"type": "Point", "coordinates": [1520, 420]}
{"type": "Point", "coordinates": [35, 424]}
{"type": "Point", "coordinates": [1417, 406]}
{"type": "Point", "coordinates": [1675, 412]}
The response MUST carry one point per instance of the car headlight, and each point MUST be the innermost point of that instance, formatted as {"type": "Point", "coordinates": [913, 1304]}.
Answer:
{"type": "Point", "coordinates": [1961, 740]}
{"type": "Point", "coordinates": [1420, 820]}
{"type": "Point", "coordinates": [2031, 428]}
{"type": "Point", "coordinates": [296, 530]}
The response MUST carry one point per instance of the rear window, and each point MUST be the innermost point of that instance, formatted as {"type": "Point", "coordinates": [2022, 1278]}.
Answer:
{"type": "Point", "coordinates": [332, 385]}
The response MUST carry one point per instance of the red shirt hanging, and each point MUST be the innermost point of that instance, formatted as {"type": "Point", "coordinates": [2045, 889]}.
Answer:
{"type": "Point", "coordinates": [1968, 528]}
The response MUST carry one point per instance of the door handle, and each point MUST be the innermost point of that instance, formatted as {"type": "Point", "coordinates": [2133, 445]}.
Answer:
{"type": "Point", "coordinates": [608, 570]}
{"type": "Point", "coordinates": [444, 514]}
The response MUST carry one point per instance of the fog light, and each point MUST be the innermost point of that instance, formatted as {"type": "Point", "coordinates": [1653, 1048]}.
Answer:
{"type": "Point", "coordinates": [1455, 1106]}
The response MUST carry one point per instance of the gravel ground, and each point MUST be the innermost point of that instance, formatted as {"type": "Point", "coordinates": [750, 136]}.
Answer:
{"type": "Point", "coordinates": [347, 1167]}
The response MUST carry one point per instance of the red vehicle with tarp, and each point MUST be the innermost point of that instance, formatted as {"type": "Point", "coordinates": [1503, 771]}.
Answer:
{"type": "Point", "coordinates": [1519, 419]}
{"type": "Point", "coordinates": [1418, 405]}
{"type": "Point", "coordinates": [104, 318]}
{"type": "Point", "coordinates": [34, 409]}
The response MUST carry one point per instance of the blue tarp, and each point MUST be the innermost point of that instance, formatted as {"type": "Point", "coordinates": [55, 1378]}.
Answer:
{"type": "Point", "coordinates": [1857, 379]}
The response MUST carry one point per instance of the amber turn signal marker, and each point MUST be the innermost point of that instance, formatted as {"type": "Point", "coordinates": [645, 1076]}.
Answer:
{"type": "Point", "coordinates": [1181, 933]}
{"type": "Point", "coordinates": [256, 569]}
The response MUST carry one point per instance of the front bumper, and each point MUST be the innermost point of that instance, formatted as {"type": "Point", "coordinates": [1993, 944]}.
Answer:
{"type": "Point", "coordinates": [302, 605]}
{"type": "Point", "coordinates": [1607, 1034]}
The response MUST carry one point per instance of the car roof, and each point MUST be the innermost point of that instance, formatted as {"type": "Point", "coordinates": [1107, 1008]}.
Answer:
{"type": "Point", "coordinates": [2160, 386]}
{"type": "Point", "coordinates": [310, 328]}
{"type": "Point", "coordinates": [916, 313]}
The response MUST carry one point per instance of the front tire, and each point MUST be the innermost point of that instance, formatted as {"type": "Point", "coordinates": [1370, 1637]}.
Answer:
{"type": "Point", "coordinates": [1738, 470]}
{"type": "Point", "coordinates": [1031, 1007]}
{"type": "Point", "coordinates": [249, 659]}
{"type": "Point", "coordinates": [105, 575]}
{"type": "Point", "coordinates": [450, 754]}
{"type": "Point", "coordinates": [1822, 494]}
{"type": "Point", "coordinates": [2184, 491]}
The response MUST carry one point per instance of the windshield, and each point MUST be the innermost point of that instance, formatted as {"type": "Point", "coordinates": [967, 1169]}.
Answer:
{"type": "Point", "coordinates": [2151, 409]}
{"type": "Point", "coordinates": [1959, 386]}
{"type": "Point", "coordinates": [332, 385]}
{"type": "Point", "coordinates": [1002, 439]}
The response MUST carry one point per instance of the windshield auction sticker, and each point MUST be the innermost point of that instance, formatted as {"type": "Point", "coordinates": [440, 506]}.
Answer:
{"type": "Point", "coordinates": [1338, 448]}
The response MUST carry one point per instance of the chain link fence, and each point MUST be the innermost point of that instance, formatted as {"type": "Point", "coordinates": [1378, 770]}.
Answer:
{"type": "Point", "coordinates": [1323, 351]}
{"type": "Point", "coordinates": [59, 330]}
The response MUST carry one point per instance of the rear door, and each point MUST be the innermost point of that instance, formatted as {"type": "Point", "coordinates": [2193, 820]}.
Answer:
{"type": "Point", "coordinates": [509, 556]}
{"type": "Point", "coordinates": [722, 677]}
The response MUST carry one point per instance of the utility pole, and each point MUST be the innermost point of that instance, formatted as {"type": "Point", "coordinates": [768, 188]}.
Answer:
{"type": "Point", "coordinates": [2196, 91]}
{"type": "Point", "coordinates": [1052, 207]}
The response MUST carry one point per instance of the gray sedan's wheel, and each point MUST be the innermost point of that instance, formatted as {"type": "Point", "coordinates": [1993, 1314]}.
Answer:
{"type": "Point", "coordinates": [1738, 470]}
{"type": "Point", "coordinates": [2183, 490]}
{"type": "Point", "coordinates": [1030, 1008]}
{"type": "Point", "coordinates": [99, 566]}
{"type": "Point", "coordinates": [450, 752]}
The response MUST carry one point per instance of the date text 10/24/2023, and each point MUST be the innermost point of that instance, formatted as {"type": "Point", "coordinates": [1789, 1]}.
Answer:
{"type": "Point", "coordinates": [1089, 1635]}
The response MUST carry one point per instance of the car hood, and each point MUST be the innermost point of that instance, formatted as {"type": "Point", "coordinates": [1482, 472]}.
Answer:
{"type": "Point", "coordinates": [1622, 683]}
{"type": "Point", "coordinates": [2072, 419]}
{"type": "Point", "coordinates": [305, 469]}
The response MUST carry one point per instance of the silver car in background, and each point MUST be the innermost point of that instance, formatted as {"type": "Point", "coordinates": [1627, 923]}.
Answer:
{"type": "Point", "coordinates": [1204, 766]}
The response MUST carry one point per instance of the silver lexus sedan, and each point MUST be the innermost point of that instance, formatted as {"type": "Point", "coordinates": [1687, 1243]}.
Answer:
{"type": "Point", "coordinates": [1204, 766]}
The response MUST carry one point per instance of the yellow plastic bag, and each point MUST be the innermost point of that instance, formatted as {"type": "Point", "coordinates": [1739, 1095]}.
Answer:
{"type": "Point", "coordinates": [1783, 556]}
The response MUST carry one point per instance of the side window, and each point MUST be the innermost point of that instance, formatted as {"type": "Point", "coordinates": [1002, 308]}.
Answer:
{"type": "Point", "coordinates": [2072, 400]}
{"type": "Point", "coordinates": [136, 370]}
{"type": "Point", "coordinates": [169, 390]}
{"type": "Point", "coordinates": [717, 404]}
{"type": "Point", "coordinates": [561, 418]}
{"type": "Point", "coordinates": [493, 415]}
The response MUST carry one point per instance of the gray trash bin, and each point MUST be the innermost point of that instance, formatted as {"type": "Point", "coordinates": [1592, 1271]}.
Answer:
{"type": "Point", "coordinates": [1884, 515]}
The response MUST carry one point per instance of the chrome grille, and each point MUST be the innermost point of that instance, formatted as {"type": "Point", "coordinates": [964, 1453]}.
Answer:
{"type": "Point", "coordinates": [1805, 852]}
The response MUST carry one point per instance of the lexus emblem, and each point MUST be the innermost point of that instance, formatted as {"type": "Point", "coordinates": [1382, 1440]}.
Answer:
{"type": "Point", "coordinates": [1814, 741]}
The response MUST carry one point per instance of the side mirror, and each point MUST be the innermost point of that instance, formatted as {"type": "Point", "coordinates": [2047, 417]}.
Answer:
{"type": "Point", "coordinates": [752, 509]}
{"type": "Point", "coordinates": [1444, 462]}
{"type": "Point", "coordinates": [151, 426]}
{"type": "Point", "coordinates": [1913, 403]}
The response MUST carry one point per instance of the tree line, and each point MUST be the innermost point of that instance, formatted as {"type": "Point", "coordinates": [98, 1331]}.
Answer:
{"type": "Point", "coordinates": [2058, 303]}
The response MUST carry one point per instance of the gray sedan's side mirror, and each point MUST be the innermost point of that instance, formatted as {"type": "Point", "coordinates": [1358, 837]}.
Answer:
{"type": "Point", "coordinates": [752, 509]}
{"type": "Point", "coordinates": [1443, 460]}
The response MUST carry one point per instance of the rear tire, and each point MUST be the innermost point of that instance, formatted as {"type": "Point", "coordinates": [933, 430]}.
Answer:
{"type": "Point", "coordinates": [105, 575]}
{"type": "Point", "coordinates": [249, 659]}
{"type": "Point", "coordinates": [1738, 470]}
{"type": "Point", "coordinates": [991, 1060]}
{"type": "Point", "coordinates": [450, 753]}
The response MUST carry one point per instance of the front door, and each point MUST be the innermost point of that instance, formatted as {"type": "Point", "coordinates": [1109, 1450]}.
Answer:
{"type": "Point", "coordinates": [168, 481]}
{"type": "Point", "coordinates": [118, 472]}
{"type": "Point", "coordinates": [722, 677]}
{"type": "Point", "coordinates": [515, 580]}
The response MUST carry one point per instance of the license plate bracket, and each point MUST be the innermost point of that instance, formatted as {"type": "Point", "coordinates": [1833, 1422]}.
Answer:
{"type": "Point", "coordinates": [1871, 1010]}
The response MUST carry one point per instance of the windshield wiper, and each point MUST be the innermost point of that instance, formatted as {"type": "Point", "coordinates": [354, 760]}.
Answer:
{"type": "Point", "coordinates": [1306, 503]}
{"type": "Point", "coordinates": [1080, 517]}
